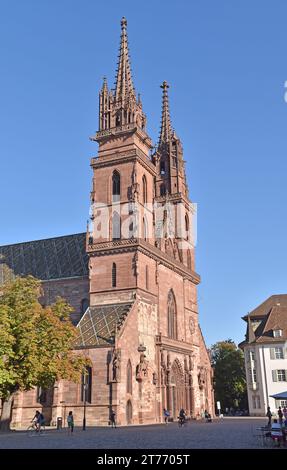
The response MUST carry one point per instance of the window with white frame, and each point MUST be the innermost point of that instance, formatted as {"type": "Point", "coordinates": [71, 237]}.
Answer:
{"type": "Point", "coordinates": [254, 376]}
{"type": "Point", "coordinates": [254, 401]}
{"type": "Point", "coordinates": [277, 333]}
{"type": "Point", "coordinates": [282, 403]}
{"type": "Point", "coordinates": [252, 355]}
{"type": "Point", "coordinates": [278, 352]}
{"type": "Point", "coordinates": [258, 402]}
{"type": "Point", "coordinates": [281, 375]}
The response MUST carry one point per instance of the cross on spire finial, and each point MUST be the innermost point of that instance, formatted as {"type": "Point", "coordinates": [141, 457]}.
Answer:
{"type": "Point", "coordinates": [124, 22]}
{"type": "Point", "coordinates": [166, 130]}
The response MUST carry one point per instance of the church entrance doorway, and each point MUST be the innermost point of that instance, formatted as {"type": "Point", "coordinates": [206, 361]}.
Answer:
{"type": "Point", "coordinates": [177, 390]}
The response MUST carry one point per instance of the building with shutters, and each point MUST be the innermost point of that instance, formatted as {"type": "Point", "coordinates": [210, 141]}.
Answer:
{"type": "Point", "coordinates": [265, 352]}
{"type": "Point", "coordinates": [131, 278]}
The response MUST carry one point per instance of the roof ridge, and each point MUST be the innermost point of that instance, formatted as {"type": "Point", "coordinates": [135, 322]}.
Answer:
{"type": "Point", "coordinates": [43, 239]}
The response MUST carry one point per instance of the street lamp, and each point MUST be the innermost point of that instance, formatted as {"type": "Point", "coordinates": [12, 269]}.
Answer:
{"type": "Point", "coordinates": [85, 401]}
{"type": "Point", "coordinates": [63, 403]}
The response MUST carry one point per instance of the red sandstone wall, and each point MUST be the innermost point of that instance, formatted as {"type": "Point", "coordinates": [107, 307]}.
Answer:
{"type": "Point", "coordinates": [73, 290]}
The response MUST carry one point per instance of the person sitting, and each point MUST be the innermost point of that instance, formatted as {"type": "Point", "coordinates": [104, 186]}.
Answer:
{"type": "Point", "coordinates": [276, 432]}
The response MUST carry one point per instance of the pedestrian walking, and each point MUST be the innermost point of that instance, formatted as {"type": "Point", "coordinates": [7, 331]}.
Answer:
{"type": "Point", "coordinates": [269, 416]}
{"type": "Point", "coordinates": [70, 422]}
{"type": "Point", "coordinates": [280, 415]}
{"type": "Point", "coordinates": [113, 418]}
{"type": "Point", "coordinates": [166, 415]}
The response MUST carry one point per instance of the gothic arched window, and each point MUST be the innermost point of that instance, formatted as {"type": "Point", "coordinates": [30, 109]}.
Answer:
{"type": "Point", "coordinates": [145, 229]}
{"type": "Point", "coordinates": [146, 277]}
{"type": "Point", "coordinates": [116, 180]}
{"type": "Point", "coordinates": [86, 385]}
{"type": "Point", "coordinates": [162, 167]}
{"type": "Point", "coordinates": [144, 184]}
{"type": "Point", "coordinates": [114, 275]}
{"type": "Point", "coordinates": [41, 395]}
{"type": "Point", "coordinates": [129, 378]}
{"type": "Point", "coordinates": [118, 119]}
{"type": "Point", "coordinates": [188, 259]}
{"type": "Point", "coordinates": [162, 190]}
{"type": "Point", "coordinates": [186, 227]}
{"type": "Point", "coordinates": [171, 313]}
{"type": "Point", "coordinates": [116, 226]}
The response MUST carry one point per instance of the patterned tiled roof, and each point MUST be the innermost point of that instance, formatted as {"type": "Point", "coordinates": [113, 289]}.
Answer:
{"type": "Point", "coordinates": [52, 258]}
{"type": "Point", "coordinates": [99, 324]}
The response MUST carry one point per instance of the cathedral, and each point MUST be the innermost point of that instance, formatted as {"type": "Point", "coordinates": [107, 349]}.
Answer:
{"type": "Point", "coordinates": [130, 277]}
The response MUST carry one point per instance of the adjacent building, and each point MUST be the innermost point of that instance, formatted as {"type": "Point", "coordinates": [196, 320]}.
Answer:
{"type": "Point", "coordinates": [265, 351]}
{"type": "Point", "coordinates": [131, 277]}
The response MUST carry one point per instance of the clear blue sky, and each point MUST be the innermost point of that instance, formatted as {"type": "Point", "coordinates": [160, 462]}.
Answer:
{"type": "Point", "coordinates": [226, 62]}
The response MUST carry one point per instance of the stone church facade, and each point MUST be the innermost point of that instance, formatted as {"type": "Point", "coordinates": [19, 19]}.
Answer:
{"type": "Point", "coordinates": [131, 277]}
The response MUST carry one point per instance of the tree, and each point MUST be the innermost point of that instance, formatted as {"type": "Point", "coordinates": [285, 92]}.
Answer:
{"type": "Point", "coordinates": [229, 375]}
{"type": "Point", "coordinates": [35, 343]}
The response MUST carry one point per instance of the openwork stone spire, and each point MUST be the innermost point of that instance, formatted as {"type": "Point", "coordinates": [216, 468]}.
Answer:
{"type": "Point", "coordinates": [166, 130]}
{"type": "Point", "coordinates": [124, 83]}
{"type": "Point", "coordinates": [169, 155]}
{"type": "Point", "coordinates": [119, 108]}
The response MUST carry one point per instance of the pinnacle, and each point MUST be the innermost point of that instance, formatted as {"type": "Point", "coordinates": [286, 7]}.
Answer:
{"type": "Point", "coordinates": [166, 130]}
{"type": "Point", "coordinates": [124, 84]}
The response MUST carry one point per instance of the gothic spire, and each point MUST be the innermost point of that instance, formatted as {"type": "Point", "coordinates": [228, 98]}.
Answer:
{"type": "Point", "coordinates": [105, 84]}
{"type": "Point", "coordinates": [124, 83]}
{"type": "Point", "coordinates": [166, 130]}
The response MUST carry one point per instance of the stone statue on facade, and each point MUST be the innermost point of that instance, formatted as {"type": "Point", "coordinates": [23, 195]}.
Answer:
{"type": "Point", "coordinates": [142, 367]}
{"type": "Point", "coordinates": [116, 366]}
{"type": "Point", "coordinates": [201, 379]}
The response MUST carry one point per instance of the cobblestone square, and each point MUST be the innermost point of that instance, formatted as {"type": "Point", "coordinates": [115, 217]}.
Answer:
{"type": "Point", "coordinates": [227, 433]}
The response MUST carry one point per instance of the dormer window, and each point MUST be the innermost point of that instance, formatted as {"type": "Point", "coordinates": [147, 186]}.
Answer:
{"type": "Point", "coordinates": [277, 333]}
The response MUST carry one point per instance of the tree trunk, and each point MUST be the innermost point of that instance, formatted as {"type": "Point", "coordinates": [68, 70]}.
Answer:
{"type": "Point", "coordinates": [6, 414]}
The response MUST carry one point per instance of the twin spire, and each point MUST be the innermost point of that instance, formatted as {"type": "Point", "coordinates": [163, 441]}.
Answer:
{"type": "Point", "coordinates": [165, 130]}
{"type": "Point", "coordinates": [124, 86]}
{"type": "Point", "coordinates": [124, 83]}
{"type": "Point", "coordinates": [120, 106]}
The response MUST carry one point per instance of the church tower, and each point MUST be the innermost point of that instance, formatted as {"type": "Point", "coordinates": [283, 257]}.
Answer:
{"type": "Point", "coordinates": [123, 187]}
{"type": "Point", "coordinates": [141, 329]}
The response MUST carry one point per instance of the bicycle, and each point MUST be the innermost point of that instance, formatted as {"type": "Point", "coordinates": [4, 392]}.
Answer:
{"type": "Point", "coordinates": [33, 430]}
{"type": "Point", "coordinates": [181, 421]}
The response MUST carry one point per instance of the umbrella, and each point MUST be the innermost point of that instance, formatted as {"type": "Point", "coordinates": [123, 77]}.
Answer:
{"type": "Point", "coordinates": [280, 396]}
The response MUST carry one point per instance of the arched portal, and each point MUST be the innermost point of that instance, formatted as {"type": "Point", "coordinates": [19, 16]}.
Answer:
{"type": "Point", "coordinates": [176, 392]}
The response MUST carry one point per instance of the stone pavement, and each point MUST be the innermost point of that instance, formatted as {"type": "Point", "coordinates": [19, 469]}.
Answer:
{"type": "Point", "coordinates": [231, 433]}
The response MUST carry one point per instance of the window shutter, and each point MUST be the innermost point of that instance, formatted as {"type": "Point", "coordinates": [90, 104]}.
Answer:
{"type": "Point", "coordinates": [274, 375]}
{"type": "Point", "coordinates": [272, 353]}
{"type": "Point", "coordinates": [285, 375]}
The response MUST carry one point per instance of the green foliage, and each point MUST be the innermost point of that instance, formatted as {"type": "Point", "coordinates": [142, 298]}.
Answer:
{"type": "Point", "coordinates": [229, 375]}
{"type": "Point", "coordinates": [35, 342]}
